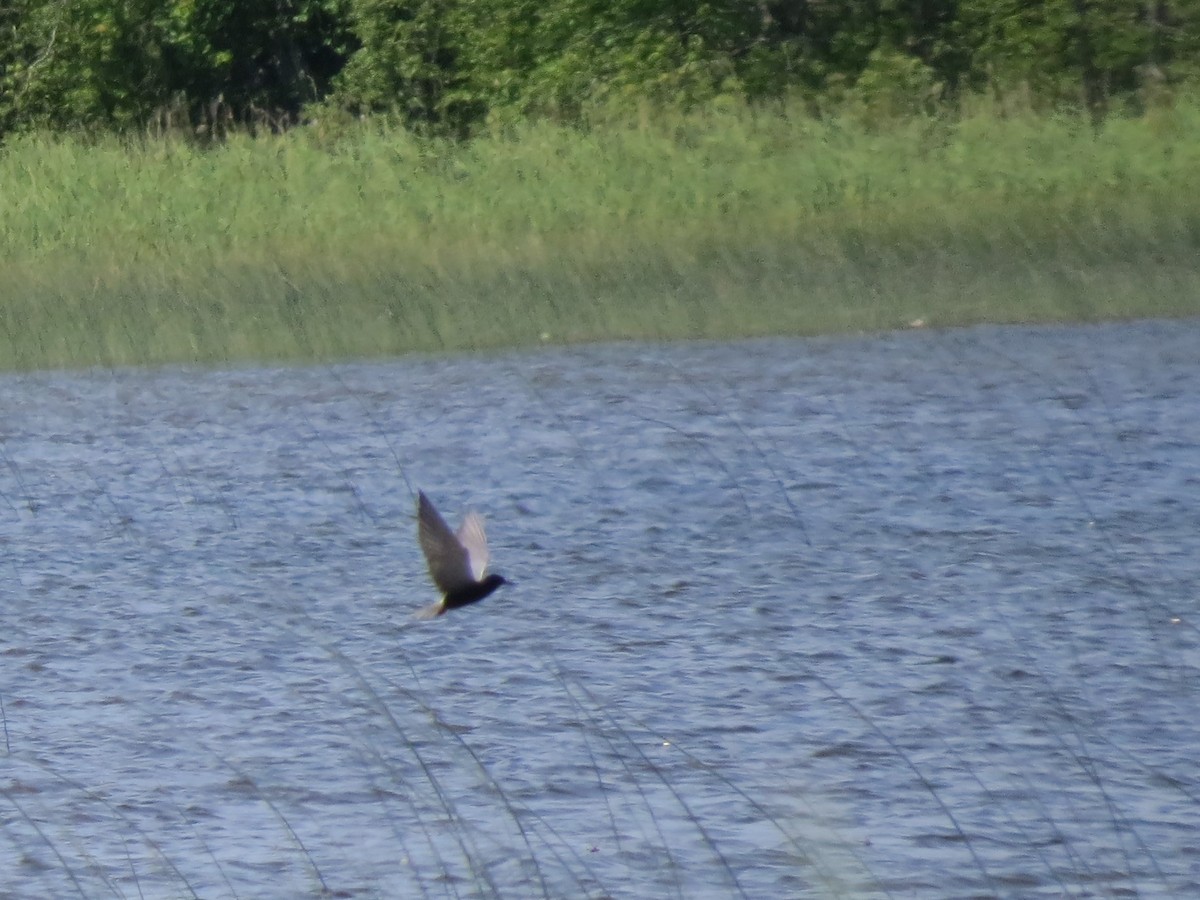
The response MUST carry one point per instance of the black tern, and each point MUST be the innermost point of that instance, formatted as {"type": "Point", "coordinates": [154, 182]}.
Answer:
{"type": "Point", "coordinates": [456, 561]}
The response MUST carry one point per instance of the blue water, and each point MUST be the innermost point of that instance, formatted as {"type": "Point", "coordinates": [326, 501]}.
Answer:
{"type": "Point", "coordinates": [912, 616]}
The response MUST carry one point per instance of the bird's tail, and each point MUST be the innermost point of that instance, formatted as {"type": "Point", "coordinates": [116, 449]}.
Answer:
{"type": "Point", "coordinates": [432, 611]}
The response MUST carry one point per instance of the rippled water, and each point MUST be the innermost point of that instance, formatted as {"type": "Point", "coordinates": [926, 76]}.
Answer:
{"type": "Point", "coordinates": [908, 616]}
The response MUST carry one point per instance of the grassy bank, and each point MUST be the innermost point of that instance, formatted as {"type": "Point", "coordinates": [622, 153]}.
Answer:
{"type": "Point", "coordinates": [715, 225]}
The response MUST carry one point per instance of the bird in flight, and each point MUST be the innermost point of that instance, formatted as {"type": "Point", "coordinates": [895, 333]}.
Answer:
{"type": "Point", "coordinates": [457, 561]}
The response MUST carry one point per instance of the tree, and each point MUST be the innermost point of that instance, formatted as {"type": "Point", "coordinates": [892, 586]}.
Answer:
{"type": "Point", "coordinates": [255, 62]}
{"type": "Point", "coordinates": [82, 62]}
{"type": "Point", "coordinates": [445, 64]}
{"type": "Point", "coordinates": [1074, 51]}
{"type": "Point", "coordinates": [410, 62]}
{"type": "Point", "coordinates": [123, 63]}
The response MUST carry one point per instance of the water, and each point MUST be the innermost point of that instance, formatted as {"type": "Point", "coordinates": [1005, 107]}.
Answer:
{"type": "Point", "coordinates": [908, 616]}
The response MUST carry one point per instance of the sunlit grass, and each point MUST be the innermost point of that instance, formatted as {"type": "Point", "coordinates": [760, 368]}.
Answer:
{"type": "Point", "coordinates": [721, 224]}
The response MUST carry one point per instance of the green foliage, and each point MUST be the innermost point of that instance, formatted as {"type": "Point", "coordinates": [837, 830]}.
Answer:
{"type": "Point", "coordinates": [721, 222]}
{"type": "Point", "coordinates": [410, 63]}
{"type": "Point", "coordinates": [255, 61]}
{"type": "Point", "coordinates": [121, 64]}
{"type": "Point", "coordinates": [1073, 52]}
{"type": "Point", "coordinates": [1174, 44]}
{"type": "Point", "coordinates": [90, 62]}
{"type": "Point", "coordinates": [895, 86]}
{"type": "Point", "coordinates": [447, 67]}
{"type": "Point", "coordinates": [683, 52]}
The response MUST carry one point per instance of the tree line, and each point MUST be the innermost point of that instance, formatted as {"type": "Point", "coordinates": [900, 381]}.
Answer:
{"type": "Point", "coordinates": [447, 66]}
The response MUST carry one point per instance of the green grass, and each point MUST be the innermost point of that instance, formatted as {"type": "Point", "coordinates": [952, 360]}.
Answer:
{"type": "Point", "coordinates": [723, 224]}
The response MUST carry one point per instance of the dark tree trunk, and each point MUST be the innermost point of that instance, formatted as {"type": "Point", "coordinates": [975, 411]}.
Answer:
{"type": "Point", "coordinates": [1093, 88]}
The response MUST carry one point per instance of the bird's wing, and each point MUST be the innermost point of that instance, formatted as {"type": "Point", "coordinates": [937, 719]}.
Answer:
{"type": "Point", "coordinates": [448, 560]}
{"type": "Point", "coordinates": [472, 536]}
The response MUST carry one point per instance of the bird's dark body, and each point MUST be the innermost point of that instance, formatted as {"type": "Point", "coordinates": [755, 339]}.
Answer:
{"type": "Point", "coordinates": [457, 560]}
{"type": "Point", "coordinates": [471, 593]}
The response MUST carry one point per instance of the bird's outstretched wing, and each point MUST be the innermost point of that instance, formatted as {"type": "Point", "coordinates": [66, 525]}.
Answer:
{"type": "Point", "coordinates": [472, 536]}
{"type": "Point", "coordinates": [448, 560]}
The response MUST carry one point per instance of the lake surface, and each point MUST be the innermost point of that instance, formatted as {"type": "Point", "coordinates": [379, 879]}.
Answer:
{"type": "Point", "coordinates": [904, 616]}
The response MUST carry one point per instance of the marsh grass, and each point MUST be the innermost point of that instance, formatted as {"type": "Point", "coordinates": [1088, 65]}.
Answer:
{"type": "Point", "coordinates": [723, 224]}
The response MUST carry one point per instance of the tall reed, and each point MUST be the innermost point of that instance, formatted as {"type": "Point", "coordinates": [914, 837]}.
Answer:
{"type": "Point", "coordinates": [718, 224]}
